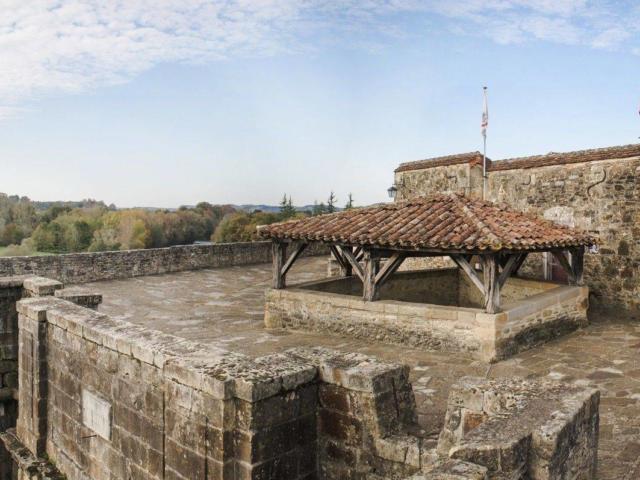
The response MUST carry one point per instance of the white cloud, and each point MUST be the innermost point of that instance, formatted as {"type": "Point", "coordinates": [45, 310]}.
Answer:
{"type": "Point", "coordinates": [72, 45]}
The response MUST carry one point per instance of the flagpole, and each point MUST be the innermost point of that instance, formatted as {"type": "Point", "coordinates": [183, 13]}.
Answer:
{"type": "Point", "coordinates": [484, 167]}
{"type": "Point", "coordinates": [485, 121]}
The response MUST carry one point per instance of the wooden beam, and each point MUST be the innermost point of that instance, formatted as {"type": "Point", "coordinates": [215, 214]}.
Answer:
{"type": "Point", "coordinates": [279, 252]}
{"type": "Point", "coordinates": [468, 269]}
{"type": "Point", "coordinates": [510, 264]}
{"type": "Point", "coordinates": [369, 290]}
{"type": "Point", "coordinates": [357, 268]}
{"type": "Point", "coordinates": [390, 266]}
{"type": "Point", "coordinates": [521, 259]}
{"type": "Point", "coordinates": [337, 255]}
{"type": "Point", "coordinates": [491, 284]}
{"type": "Point", "coordinates": [577, 265]}
{"type": "Point", "coordinates": [292, 258]}
{"type": "Point", "coordinates": [562, 259]}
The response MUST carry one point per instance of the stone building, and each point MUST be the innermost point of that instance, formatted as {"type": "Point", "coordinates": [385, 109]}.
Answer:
{"type": "Point", "coordinates": [595, 190]}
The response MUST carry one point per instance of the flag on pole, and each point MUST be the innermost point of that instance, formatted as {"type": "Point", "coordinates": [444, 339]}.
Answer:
{"type": "Point", "coordinates": [485, 115]}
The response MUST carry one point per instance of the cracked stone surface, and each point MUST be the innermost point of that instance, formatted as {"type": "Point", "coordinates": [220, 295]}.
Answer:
{"type": "Point", "coordinates": [224, 307]}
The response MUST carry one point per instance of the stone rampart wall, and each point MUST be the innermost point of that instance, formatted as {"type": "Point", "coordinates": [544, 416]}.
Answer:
{"type": "Point", "coordinates": [91, 267]}
{"type": "Point", "coordinates": [602, 197]}
{"type": "Point", "coordinates": [104, 399]}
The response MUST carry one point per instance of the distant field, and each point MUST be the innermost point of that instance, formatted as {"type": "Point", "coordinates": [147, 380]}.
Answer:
{"type": "Point", "coordinates": [4, 253]}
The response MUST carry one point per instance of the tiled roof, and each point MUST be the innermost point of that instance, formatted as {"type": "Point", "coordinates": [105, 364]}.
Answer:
{"type": "Point", "coordinates": [440, 222]}
{"type": "Point", "coordinates": [460, 158]}
{"type": "Point", "coordinates": [552, 158]}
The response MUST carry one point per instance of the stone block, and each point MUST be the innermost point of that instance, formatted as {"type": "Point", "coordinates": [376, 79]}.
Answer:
{"type": "Point", "coordinates": [40, 286]}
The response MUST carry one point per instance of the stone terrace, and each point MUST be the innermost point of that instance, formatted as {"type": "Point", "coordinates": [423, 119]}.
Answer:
{"type": "Point", "coordinates": [224, 307]}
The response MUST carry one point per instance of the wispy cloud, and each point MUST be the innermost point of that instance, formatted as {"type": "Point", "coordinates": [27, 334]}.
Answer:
{"type": "Point", "coordinates": [74, 45]}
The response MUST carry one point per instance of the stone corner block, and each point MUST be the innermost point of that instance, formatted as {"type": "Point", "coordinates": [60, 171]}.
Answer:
{"type": "Point", "coordinates": [41, 286]}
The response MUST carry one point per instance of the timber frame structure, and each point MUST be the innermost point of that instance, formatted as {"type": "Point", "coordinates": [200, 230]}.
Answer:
{"type": "Point", "coordinates": [487, 242]}
{"type": "Point", "coordinates": [374, 266]}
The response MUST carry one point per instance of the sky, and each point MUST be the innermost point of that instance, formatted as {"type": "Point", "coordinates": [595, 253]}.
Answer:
{"type": "Point", "coordinates": [171, 102]}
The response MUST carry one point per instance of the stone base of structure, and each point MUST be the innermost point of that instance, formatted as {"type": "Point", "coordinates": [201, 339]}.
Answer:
{"type": "Point", "coordinates": [534, 312]}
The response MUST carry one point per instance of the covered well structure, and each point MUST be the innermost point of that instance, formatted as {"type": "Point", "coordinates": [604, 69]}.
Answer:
{"type": "Point", "coordinates": [441, 225]}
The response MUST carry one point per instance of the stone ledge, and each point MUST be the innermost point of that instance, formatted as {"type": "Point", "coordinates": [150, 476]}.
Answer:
{"type": "Point", "coordinates": [514, 427]}
{"type": "Point", "coordinates": [80, 297]}
{"type": "Point", "coordinates": [41, 286]}
{"type": "Point", "coordinates": [25, 461]}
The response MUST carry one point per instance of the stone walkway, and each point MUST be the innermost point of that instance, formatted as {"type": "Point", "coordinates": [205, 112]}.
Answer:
{"type": "Point", "coordinates": [225, 307]}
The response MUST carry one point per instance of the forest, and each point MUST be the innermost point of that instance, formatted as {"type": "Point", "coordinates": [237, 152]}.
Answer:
{"type": "Point", "coordinates": [35, 228]}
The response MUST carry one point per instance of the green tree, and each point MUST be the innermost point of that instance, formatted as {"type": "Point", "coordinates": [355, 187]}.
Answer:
{"type": "Point", "coordinates": [331, 203]}
{"type": "Point", "coordinates": [349, 204]}
{"type": "Point", "coordinates": [287, 210]}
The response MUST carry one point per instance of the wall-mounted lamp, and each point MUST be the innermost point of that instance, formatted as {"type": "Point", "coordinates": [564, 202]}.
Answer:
{"type": "Point", "coordinates": [393, 189]}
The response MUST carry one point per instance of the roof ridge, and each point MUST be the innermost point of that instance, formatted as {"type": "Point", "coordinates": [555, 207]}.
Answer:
{"type": "Point", "coordinates": [495, 241]}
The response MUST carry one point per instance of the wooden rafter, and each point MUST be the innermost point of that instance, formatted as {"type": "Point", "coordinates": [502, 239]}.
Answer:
{"type": "Point", "coordinates": [390, 266]}
{"type": "Point", "coordinates": [466, 267]}
{"type": "Point", "coordinates": [521, 259]}
{"type": "Point", "coordinates": [510, 265]}
{"type": "Point", "coordinates": [357, 268]}
{"type": "Point", "coordinates": [339, 258]}
{"type": "Point", "coordinates": [293, 257]}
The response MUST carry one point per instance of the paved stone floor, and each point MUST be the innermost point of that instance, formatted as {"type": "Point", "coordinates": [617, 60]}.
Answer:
{"type": "Point", "coordinates": [225, 307]}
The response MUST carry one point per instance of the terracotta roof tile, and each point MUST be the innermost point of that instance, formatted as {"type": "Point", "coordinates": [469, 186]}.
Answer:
{"type": "Point", "coordinates": [439, 222]}
{"type": "Point", "coordinates": [460, 158]}
{"type": "Point", "coordinates": [552, 158]}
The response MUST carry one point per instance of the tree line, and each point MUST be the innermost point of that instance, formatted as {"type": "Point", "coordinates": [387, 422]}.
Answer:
{"type": "Point", "coordinates": [242, 226]}
{"type": "Point", "coordinates": [27, 227]}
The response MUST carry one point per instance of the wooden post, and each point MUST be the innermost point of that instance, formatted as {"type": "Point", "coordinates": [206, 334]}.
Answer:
{"type": "Point", "coordinates": [369, 290]}
{"type": "Point", "coordinates": [279, 254]}
{"type": "Point", "coordinates": [577, 265]}
{"type": "Point", "coordinates": [491, 282]}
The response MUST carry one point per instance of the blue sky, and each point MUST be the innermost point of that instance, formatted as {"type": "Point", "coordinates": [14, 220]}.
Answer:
{"type": "Point", "coordinates": [173, 102]}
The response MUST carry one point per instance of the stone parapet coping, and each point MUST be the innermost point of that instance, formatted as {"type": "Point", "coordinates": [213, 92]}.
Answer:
{"type": "Point", "coordinates": [215, 371]}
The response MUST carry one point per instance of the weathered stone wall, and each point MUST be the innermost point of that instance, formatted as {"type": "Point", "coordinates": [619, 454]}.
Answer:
{"type": "Point", "coordinates": [601, 196]}
{"type": "Point", "coordinates": [12, 289]}
{"type": "Point", "coordinates": [521, 429]}
{"type": "Point", "coordinates": [462, 178]}
{"type": "Point", "coordinates": [91, 267]}
{"type": "Point", "coordinates": [514, 289]}
{"type": "Point", "coordinates": [490, 337]}
{"type": "Point", "coordinates": [10, 293]}
{"type": "Point", "coordinates": [104, 399]}
{"type": "Point", "coordinates": [435, 286]}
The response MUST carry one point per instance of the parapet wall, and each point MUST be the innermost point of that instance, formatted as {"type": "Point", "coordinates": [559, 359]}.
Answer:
{"type": "Point", "coordinates": [104, 399]}
{"type": "Point", "coordinates": [91, 267]}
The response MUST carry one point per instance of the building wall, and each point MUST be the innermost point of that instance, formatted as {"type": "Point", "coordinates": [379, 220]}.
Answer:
{"type": "Point", "coordinates": [602, 197]}
{"type": "Point", "coordinates": [91, 267]}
